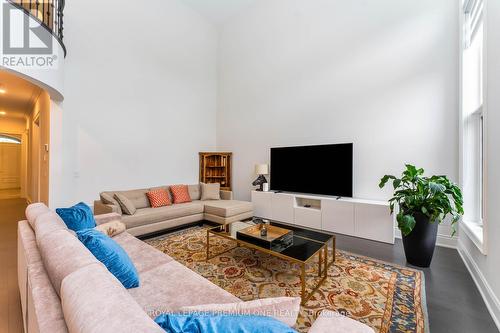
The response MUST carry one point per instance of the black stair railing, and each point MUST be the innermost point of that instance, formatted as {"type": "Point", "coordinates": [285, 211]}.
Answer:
{"type": "Point", "coordinates": [48, 12]}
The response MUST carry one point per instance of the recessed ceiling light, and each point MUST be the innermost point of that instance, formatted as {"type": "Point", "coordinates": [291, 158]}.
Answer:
{"type": "Point", "coordinates": [3, 113]}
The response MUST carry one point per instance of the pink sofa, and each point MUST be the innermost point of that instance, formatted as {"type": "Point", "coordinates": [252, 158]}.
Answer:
{"type": "Point", "coordinates": [64, 288]}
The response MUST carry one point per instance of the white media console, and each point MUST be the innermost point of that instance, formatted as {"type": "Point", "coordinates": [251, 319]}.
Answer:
{"type": "Point", "coordinates": [354, 217]}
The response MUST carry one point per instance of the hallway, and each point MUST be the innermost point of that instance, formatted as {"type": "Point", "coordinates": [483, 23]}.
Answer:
{"type": "Point", "coordinates": [11, 211]}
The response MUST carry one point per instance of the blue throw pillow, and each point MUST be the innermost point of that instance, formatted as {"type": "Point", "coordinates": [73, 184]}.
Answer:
{"type": "Point", "coordinates": [213, 323]}
{"type": "Point", "coordinates": [112, 255]}
{"type": "Point", "coordinates": [78, 217]}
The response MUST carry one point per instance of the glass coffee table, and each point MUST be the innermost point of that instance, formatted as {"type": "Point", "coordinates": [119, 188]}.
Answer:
{"type": "Point", "coordinates": [299, 245]}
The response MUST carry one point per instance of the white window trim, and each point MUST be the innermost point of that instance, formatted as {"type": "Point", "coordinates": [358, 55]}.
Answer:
{"type": "Point", "coordinates": [477, 233]}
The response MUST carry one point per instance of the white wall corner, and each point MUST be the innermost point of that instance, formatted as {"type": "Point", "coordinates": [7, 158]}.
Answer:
{"type": "Point", "coordinates": [489, 297]}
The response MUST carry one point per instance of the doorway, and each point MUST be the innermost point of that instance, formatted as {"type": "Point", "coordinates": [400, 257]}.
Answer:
{"type": "Point", "coordinates": [10, 165]}
{"type": "Point", "coordinates": [24, 137]}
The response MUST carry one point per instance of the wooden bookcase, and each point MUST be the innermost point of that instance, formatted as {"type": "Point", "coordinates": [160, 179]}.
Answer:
{"type": "Point", "coordinates": [216, 168]}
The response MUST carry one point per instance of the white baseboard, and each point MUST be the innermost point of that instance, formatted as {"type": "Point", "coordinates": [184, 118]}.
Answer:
{"type": "Point", "coordinates": [442, 240]}
{"type": "Point", "coordinates": [489, 297]}
{"type": "Point", "coordinates": [447, 241]}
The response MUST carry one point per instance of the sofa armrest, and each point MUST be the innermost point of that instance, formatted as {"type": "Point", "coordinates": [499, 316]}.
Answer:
{"type": "Point", "coordinates": [226, 195]}
{"type": "Point", "coordinates": [105, 218]}
{"type": "Point", "coordinates": [101, 208]}
{"type": "Point", "coordinates": [333, 322]}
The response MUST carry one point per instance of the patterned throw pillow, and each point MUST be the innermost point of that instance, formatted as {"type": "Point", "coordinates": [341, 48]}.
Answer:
{"type": "Point", "coordinates": [180, 193]}
{"type": "Point", "coordinates": [158, 198]}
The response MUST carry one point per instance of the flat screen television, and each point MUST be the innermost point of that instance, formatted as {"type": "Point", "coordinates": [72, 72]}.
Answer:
{"type": "Point", "coordinates": [322, 169]}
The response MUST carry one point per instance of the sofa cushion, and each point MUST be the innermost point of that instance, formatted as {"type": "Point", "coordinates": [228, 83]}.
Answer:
{"type": "Point", "coordinates": [285, 309]}
{"type": "Point", "coordinates": [152, 215]}
{"type": "Point", "coordinates": [126, 205]}
{"type": "Point", "coordinates": [112, 255]}
{"type": "Point", "coordinates": [46, 311]}
{"type": "Point", "coordinates": [180, 193]}
{"type": "Point", "coordinates": [111, 228]}
{"type": "Point", "coordinates": [35, 210]}
{"type": "Point", "coordinates": [214, 323]}
{"type": "Point", "coordinates": [170, 286]}
{"type": "Point", "coordinates": [138, 197]}
{"type": "Point", "coordinates": [107, 198]}
{"type": "Point", "coordinates": [210, 191]}
{"type": "Point", "coordinates": [62, 254]}
{"type": "Point", "coordinates": [47, 224]}
{"type": "Point", "coordinates": [26, 239]}
{"type": "Point", "coordinates": [94, 301]}
{"type": "Point", "coordinates": [194, 192]}
{"type": "Point", "coordinates": [164, 187]}
{"type": "Point", "coordinates": [158, 198]}
{"type": "Point", "coordinates": [144, 256]}
{"type": "Point", "coordinates": [77, 217]}
{"type": "Point", "coordinates": [227, 208]}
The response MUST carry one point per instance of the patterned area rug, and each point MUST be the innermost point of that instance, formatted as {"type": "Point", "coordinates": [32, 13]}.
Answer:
{"type": "Point", "coordinates": [386, 297]}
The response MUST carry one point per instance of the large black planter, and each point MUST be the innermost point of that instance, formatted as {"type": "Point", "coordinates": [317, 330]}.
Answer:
{"type": "Point", "coordinates": [420, 243]}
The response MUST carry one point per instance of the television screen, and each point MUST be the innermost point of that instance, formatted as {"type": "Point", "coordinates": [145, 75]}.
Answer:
{"type": "Point", "coordinates": [322, 169]}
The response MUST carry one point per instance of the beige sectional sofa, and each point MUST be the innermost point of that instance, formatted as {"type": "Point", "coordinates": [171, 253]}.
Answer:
{"type": "Point", "coordinates": [148, 220]}
{"type": "Point", "coordinates": [64, 288]}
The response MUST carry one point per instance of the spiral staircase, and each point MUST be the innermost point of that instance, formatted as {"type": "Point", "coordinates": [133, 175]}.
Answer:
{"type": "Point", "coordinates": [47, 15]}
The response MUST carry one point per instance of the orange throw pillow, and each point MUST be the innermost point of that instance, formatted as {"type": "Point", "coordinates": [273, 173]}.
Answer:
{"type": "Point", "coordinates": [180, 193]}
{"type": "Point", "coordinates": [158, 198]}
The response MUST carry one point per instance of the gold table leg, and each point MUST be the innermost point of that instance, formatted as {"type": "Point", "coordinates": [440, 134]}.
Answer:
{"type": "Point", "coordinates": [320, 262]}
{"type": "Point", "coordinates": [324, 274]}
{"type": "Point", "coordinates": [326, 260]}
{"type": "Point", "coordinates": [303, 280]}
{"type": "Point", "coordinates": [208, 244]}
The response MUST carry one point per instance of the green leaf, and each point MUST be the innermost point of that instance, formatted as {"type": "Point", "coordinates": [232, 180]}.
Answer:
{"type": "Point", "coordinates": [385, 179]}
{"type": "Point", "coordinates": [411, 171]}
{"type": "Point", "coordinates": [406, 223]}
{"type": "Point", "coordinates": [435, 196]}
{"type": "Point", "coordinates": [436, 188]}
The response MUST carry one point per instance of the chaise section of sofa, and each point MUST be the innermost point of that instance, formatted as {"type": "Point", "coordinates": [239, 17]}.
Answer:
{"type": "Point", "coordinates": [147, 219]}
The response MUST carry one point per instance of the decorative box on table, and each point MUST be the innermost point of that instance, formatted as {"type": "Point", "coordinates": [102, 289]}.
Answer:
{"type": "Point", "coordinates": [277, 238]}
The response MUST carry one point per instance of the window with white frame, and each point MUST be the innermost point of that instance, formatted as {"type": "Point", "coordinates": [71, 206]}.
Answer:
{"type": "Point", "coordinates": [472, 112]}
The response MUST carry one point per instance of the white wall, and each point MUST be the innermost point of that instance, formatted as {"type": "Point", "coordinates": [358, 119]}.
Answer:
{"type": "Point", "coordinates": [140, 98]}
{"type": "Point", "coordinates": [486, 268]}
{"type": "Point", "coordinates": [381, 74]}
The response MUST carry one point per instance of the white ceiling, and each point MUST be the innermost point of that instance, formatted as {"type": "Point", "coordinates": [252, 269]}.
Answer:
{"type": "Point", "coordinates": [218, 11]}
{"type": "Point", "coordinates": [19, 97]}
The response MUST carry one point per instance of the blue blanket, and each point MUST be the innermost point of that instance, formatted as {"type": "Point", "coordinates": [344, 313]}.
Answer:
{"type": "Point", "coordinates": [211, 323]}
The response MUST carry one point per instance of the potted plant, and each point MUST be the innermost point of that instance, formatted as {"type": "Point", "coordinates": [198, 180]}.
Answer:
{"type": "Point", "coordinates": [422, 203]}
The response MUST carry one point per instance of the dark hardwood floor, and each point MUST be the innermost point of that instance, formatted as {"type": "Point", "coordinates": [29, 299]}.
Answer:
{"type": "Point", "coordinates": [454, 303]}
